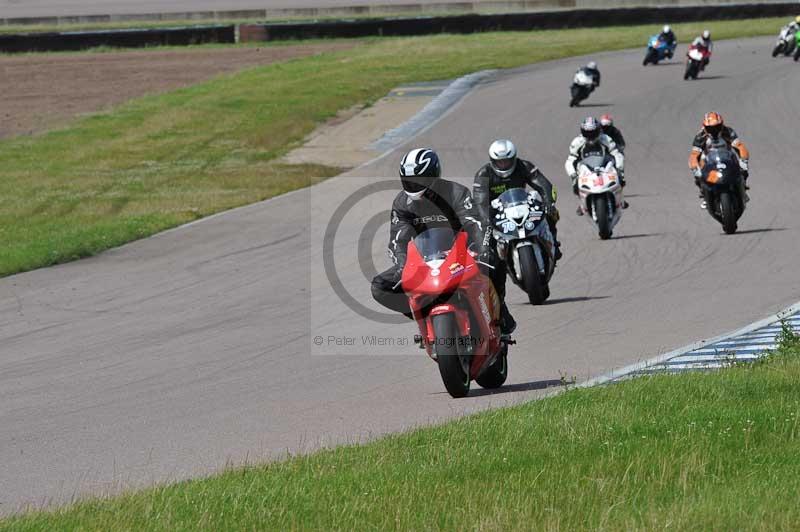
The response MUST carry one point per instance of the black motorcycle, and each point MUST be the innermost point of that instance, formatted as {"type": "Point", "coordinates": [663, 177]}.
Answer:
{"type": "Point", "coordinates": [723, 187]}
{"type": "Point", "coordinates": [525, 242]}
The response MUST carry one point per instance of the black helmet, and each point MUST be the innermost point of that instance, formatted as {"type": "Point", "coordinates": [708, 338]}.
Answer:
{"type": "Point", "coordinates": [590, 129]}
{"type": "Point", "coordinates": [418, 171]}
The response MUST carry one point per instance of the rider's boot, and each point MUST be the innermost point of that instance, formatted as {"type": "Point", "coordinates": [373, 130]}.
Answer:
{"type": "Point", "coordinates": [507, 323]}
{"type": "Point", "coordinates": [556, 244]}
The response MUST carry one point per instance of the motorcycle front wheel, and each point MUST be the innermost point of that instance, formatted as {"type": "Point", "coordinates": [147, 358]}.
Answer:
{"type": "Point", "coordinates": [452, 366]}
{"type": "Point", "coordinates": [689, 71]}
{"type": "Point", "coordinates": [601, 214]}
{"type": "Point", "coordinates": [776, 50]}
{"type": "Point", "coordinates": [727, 213]}
{"type": "Point", "coordinates": [531, 278]}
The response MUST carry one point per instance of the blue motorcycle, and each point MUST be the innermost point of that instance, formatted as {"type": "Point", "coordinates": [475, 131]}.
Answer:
{"type": "Point", "coordinates": [658, 50]}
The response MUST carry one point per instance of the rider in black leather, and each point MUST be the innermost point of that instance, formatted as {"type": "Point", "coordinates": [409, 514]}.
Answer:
{"type": "Point", "coordinates": [427, 202]}
{"type": "Point", "coordinates": [612, 131]}
{"type": "Point", "coordinates": [505, 171]}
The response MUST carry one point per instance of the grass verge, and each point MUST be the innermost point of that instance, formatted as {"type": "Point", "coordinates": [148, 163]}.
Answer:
{"type": "Point", "coordinates": [164, 160]}
{"type": "Point", "coordinates": [703, 451]}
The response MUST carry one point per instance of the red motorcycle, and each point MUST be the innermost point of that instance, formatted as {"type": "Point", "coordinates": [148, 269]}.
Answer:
{"type": "Point", "coordinates": [696, 60]}
{"type": "Point", "coordinates": [457, 310]}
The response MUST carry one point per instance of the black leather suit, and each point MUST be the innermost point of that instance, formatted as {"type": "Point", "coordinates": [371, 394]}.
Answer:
{"type": "Point", "coordinates": [444, 204]}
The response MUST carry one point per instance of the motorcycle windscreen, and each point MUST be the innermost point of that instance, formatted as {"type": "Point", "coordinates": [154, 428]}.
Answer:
{"type": "Point", "coordinates": [721, 167]}
{"type": "Point", "coordinates": [594, 161]}
{"type": "Point", "coordinates": [513, 197]}
{"type": "Point", "coordinates": [435, 244]}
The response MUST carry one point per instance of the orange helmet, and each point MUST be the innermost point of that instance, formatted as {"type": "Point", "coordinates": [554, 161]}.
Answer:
{"type": "Point", "coordinates": [606, 120]}
{"type": "Point", "coordinates": [713, 123]}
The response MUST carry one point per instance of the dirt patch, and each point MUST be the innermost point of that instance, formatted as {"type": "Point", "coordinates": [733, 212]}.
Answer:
{"type": "Point", "coordinates": [39, 92]}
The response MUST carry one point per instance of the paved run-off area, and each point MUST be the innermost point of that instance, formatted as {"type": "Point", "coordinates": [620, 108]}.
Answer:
{"type": "Point", "coordinates": [169, 357]}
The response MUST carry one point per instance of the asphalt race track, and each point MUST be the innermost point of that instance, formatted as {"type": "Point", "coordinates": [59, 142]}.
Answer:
{"type": "Point", "coordinates": [54, 8]}
{"type": "Point", "coordinates": [172, 356]}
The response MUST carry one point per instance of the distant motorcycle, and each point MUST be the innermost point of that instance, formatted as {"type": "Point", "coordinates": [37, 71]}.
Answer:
{"type": "Point", "coordinates": [658, 50]}
{"type": "Point", "coordinates": [525, 242]}
{"type": "Point", "coordinates": [600, 193]}
{"type": "Point", "coordinates": [582, 87]}
{"type": "Point", "coordinates": [457, 310]}
{"type": "Point", "coordinates": [786, 44]}
{"type": "Point", "coordinates": [696, 58]}
{"type": "Point", "coordinates": [723, 187]}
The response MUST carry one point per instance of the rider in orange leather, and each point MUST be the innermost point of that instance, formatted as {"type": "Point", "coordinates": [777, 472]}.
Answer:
{"type": "Point", "coordinates": [714, 129]}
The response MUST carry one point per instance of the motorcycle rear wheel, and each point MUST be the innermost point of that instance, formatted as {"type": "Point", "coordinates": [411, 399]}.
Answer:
{"type": "Point", "coordinates": [601, 213]}
{"type": "Point", "coordinates": [495, 375]}
{"type": "Point", "coordinates": [451, 365]}
{"type": "Point", "coordinates": [531, 278]}
{"type": "Point", "coordinates": [728, 213]}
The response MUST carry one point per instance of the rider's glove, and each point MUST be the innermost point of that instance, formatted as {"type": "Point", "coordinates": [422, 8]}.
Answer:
{"type": "Point", "coordinates": [744, 164]}
{"type": "Point", "coordinates": [697, 173]}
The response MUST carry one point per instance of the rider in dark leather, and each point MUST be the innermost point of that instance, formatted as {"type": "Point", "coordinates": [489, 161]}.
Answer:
{"type": "Point", "coordinates": [427, 202]}
{"type": "Point", "coordinates": [505, 171]}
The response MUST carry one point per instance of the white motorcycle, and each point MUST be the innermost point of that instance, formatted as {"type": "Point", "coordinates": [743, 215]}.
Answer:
{"type": "Point", "coordinates": [600, 193]}
{"type": "Point", "coordinates": [582, 87]}
{"type": "Point", "coordinates": [786, 42]}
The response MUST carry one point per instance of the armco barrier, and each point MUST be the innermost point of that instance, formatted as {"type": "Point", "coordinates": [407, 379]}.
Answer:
{"type": "Point", "coordinates": [41, 42]}
{"type": "Point", "coordinates": [509, 21]}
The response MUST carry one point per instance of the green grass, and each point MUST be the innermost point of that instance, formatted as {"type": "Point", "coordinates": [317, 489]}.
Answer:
{"type": "Point", "coordinates": [164, 160]}
{"type": "Point", "coordinates": [704, 451]}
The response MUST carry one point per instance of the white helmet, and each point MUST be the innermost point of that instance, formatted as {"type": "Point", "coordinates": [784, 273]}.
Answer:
{"type": "Point", "coordinates": [592, 65]}
{"type": "Point", "coordinates": [706, 35]}
{"type": "Point", "coordinates": [503, 156]}
{"type": "Point", "coordinates": [666, 29]}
